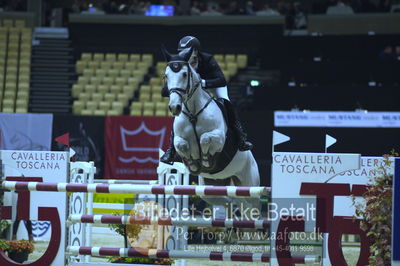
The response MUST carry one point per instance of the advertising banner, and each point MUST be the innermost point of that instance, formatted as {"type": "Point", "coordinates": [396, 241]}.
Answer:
{"type": "Point", "coordinates": [25, 131]}
{"type": "Point", "coordinates": [336, 119]}
{"type": "Point", "coordinates": [132, 146]}
{"type": "Point", "coordinates": [327, 183]}
{"type": "Point", "coordinates": [46, 210]}
{"type": "Point", "coordinates": [304, 193]}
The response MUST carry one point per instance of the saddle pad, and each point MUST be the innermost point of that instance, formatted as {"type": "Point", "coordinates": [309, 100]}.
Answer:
{"type": "Point", "coordinates": [221, 105]}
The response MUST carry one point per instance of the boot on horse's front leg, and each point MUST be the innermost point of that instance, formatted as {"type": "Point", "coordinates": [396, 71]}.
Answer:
{"type": "Point", "coordinates": [211, 142]}
{"type": "Point", "coordinates": [182, 147]}
{"type": "Point", "coordinates": [193, 167]}
{"type": "Point", "coordinates": [205, 142]}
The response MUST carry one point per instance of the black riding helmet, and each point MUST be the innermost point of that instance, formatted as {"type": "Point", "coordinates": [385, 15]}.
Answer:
{"type": "Point", "coordinates": [187, 42]}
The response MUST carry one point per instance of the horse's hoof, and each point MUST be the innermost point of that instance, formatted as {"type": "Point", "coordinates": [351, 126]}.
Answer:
{"type": "Point", "coordinates": [205, 141]}
{"type": "Point", "coordinates": [193, 168]}
{"type": "Point", "coordinates": [183, 147]}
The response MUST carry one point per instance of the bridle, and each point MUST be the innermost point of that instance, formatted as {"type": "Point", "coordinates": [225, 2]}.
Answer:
{"type": "Point", "coordinates": [176, 66]}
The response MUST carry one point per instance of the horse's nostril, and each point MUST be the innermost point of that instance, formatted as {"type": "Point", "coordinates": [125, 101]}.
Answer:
{"type": "Point", "coordinates": [178, 108]}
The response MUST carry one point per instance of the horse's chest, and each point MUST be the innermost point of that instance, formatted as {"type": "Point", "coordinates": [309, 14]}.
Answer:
{"type": "Point", "coordinates": [202, 125]}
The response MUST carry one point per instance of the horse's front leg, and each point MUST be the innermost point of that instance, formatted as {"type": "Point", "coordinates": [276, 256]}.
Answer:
{"type": "Point", "coordinates": [211, 142]}
{"type": "Point", "coordinates": [182, 147]}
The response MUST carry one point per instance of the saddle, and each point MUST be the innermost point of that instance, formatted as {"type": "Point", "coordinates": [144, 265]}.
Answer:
{"type": "Point", "coordinates": [221, 104]}
{"type": "Point", "coordinates": [231, 145]}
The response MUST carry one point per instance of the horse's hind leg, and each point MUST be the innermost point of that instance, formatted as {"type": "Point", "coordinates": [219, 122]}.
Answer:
{"type": "Point", "coordinates": [246, 205]}
{"type": "Point", "coordinates": [216, 200]}
{"type": "Point", "coordinates": [249, 176]}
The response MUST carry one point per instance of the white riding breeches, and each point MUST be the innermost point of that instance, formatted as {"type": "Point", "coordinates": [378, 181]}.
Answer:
{"type": "Point", "coordinates": [220, 92]}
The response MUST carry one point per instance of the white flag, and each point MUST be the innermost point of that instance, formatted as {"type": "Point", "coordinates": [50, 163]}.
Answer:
{"type": "Point", "coordinates": [278, 138]}
{"type": "Point", "coordinates": [71, 152]}
{"type": "Point", "coordinates": [160, 153]}
{"type": "Point", "coordinates": [329, 141]}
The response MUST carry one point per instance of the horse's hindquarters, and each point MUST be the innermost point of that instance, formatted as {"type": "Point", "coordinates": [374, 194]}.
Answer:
{"type": "Point", "coordinates": [241, 171]}
{"type": "Point", "coordinates": [243, 166]}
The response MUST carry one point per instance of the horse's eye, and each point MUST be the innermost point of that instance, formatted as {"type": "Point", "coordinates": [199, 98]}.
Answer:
{"type": "Point", "coordinates": [184, 74]}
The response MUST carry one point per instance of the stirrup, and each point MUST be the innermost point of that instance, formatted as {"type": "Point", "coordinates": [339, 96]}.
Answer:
{"type": "Point", "coordinates": [170, 156]}
{"type": "Point", "coordinates": [245, 146]}
{"type": "Point", "coordinates": [167, 157]}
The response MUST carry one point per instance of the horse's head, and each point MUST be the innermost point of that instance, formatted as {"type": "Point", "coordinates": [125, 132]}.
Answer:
{"type": "Point", "coordinates": [181, 79]}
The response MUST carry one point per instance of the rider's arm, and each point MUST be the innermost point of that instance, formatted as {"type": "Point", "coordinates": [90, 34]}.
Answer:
{"type": "Point", "coordinates": [213, 76]}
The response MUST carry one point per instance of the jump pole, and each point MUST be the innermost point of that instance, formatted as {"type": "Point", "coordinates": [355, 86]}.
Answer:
{"type": "Point", "coordinates": [231, 191]}
{"type": "Point", "coordinates": [168, 221]}
{"type": "Point", "coordinates": [181, 254]}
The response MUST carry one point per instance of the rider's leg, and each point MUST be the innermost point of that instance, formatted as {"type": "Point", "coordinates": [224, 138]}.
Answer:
{"type": "Point", "coordinates": [171, 156]}
{"type": "Point", "coordinates": [244, 145]}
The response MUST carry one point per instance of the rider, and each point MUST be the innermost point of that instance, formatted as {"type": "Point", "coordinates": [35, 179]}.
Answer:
{"type": "Point", "coordinates": [212, 78]}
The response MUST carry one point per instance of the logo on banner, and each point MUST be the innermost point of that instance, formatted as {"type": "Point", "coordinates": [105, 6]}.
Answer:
{"type": "Point", "coordinates": [49, 214]}
{"type": "Point", "coordinates": [39, 228]}
{"type": "Point", "coordinates": [132, 143]}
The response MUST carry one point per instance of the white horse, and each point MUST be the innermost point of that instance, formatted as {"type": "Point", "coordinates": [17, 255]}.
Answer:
{"type": "Point", "coordinates": [201, 133]}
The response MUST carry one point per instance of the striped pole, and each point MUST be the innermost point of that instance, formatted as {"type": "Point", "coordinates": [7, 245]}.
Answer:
{"type": "Point", "coordinates": [231, 191]}
{"type": "Point", "coordinates": [168, 221]}
{"type": "Point", "coordinates": [181, 254]}
{"type": "Point", "coordinates": [125, 181]}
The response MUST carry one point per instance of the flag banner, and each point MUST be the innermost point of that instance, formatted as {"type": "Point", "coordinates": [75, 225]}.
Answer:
{"type": "Point", "coordinates": [132, 146]}
{"type": "Point", "coordinates": [86, 138]}
{"type": "Point", "coordinates": [25, 131]}
{"type": "Point", "coordinates": [278, 138]}
{"type": "Point", "coordinates": [64, 139]}
{"type": "Point", "coordinates": [329, 141]}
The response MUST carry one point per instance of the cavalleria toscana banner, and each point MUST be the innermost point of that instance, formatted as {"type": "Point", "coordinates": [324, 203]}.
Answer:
{"type": "Point", "coordinates": [132, 146]}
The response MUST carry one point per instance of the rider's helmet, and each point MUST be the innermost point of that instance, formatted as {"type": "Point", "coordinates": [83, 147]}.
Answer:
{"type": "Point", "coordinates": [187, 42]}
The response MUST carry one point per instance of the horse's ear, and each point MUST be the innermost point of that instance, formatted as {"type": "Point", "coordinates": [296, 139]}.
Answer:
{"type": "Point", "coordinates": [166, 54]}
{"type": "Point", "coordinates": [187, 56]}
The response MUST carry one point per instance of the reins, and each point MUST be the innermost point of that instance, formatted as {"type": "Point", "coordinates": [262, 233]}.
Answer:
{"type": "Point", "coordinates": [192, 117]}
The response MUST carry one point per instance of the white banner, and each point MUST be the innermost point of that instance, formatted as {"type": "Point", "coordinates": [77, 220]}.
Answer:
{"type": "Point", "coordinates": [25, 131]}
{"type": "Point", "coordinates": [336, 119]}
{"type": "Point", "coordinates": [299, 178]}
{"type": "Point", "coordinates": [291, 173]}
{"type": "Point", "coordinates": [49, 167]}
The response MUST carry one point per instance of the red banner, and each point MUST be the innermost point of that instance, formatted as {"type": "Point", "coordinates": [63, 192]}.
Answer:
{"type": "Point", "coordinates": [132, 146]}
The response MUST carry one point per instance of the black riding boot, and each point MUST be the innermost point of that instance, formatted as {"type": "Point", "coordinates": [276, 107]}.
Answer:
{"type": "Point", "coordinates": [244, 145]}
{"type": "Point", "coordinates": [170, 156]}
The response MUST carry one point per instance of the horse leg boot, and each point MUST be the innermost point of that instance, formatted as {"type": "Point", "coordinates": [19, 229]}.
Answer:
{"type": "Point", "coordinates": [235, 124]}
{"type": "Point", "coordinates": [170, 156]}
